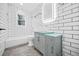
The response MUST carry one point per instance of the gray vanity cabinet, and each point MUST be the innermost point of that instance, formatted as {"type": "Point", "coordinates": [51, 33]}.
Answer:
{"type": "Point", "coordinates": [48, 44]}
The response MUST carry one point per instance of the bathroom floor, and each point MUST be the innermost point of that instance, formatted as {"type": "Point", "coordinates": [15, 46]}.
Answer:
{"type": "Point", "coordinates": [22, 50]}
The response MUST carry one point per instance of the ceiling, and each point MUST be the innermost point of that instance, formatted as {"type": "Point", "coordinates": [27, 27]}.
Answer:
{"type": "Point", "coordinates": [31, 8]}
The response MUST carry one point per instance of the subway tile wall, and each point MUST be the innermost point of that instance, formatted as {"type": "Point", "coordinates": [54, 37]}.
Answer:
{"type": "Point", "coordinates": [3, 25]}
{"type": "Point", "coordinates": [68, 17]}
{"type": "Point", "coordinates": [67, 23]}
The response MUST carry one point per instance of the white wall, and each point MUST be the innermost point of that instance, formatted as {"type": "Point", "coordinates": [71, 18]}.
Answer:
{"type": "Point", "coordinates": [15, 30]}
{"type": "Point", "coordinates": [17, 34]}
{"type": "Point", "coordinates": [20, 34]}
{"type": "Point", "coordinates": [3, 24]}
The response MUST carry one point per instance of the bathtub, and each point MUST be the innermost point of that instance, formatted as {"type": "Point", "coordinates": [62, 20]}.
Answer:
{"type": "Point", "coordinates": [48, 43]}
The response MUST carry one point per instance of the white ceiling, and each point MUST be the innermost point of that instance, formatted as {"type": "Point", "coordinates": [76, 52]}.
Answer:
{"type": "Point", "coordinates": [31, 8]}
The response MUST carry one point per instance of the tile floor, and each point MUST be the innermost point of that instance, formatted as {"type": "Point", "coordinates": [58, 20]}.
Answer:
{"type": "Point", "coordinates": [22, 50]}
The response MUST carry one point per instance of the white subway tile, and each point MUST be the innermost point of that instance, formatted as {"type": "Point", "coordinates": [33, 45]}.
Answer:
{"type": "Point", "coordinates": [66, 50]}
{"type": "Point", "coordinates": [71, 7]}
{"type": "Point", "coordinates": [66, 43]}
{"type": "Point", "coordinates": [65, 20]}
{"type": "Point", "coordinates": [71, 24]}
{"type": "Point", "coordinates": [67, 12]}
{"type": "Point", "coordinates": [72, 49]}
{"type": "Point", "coordinates": [75, 27]}
{"type": "Point", "coordinates": [75, 45]}
{"type": "Point", "coordinates": [76, 36]}
{"type": "Point", "coordinates": [71, 15]}
{"type": "Point", "coordinates": [57, 25]}
{"type": "Point", "coordinates": [74, 53]}
{"type": "Point", "coordinates": [65, 28]}
{"type": "Point", "coordinates": [75, 19]}
{"type": "Point", "coordinates": [67, 35]}
{"type": "Point", "coordinates": [71, 32]}
{"type": "Point", "coordinates": [75, 10]}
{"type": "Point", "coordinates": [71, 40]}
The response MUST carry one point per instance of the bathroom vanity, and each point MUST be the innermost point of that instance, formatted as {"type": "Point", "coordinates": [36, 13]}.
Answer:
{"type": "Point", "coordinates": [48, 43]}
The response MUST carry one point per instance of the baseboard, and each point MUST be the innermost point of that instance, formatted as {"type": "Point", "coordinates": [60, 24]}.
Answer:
{"type": "Point", "coordinates": [15, 41]}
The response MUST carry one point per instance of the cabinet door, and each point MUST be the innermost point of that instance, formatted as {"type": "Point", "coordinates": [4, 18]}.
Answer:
{"type": "Point", "coordinates": [42, 44]}
{"type": "Point", "coordinates": [49, 50]}
{"type": "Point", "coordinates": [58, 47]}
{"type": "Point", "coordinates": [35, 40]}
{"type": "Point", "coordinates": [39, 43]}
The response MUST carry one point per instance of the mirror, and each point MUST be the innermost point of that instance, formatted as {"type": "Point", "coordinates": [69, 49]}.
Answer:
{"type": "Point", "coordinates": [47, 11]}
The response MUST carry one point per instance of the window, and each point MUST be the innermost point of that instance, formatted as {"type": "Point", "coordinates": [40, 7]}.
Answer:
{"type": "Point", "coordinates": [21, 20]}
